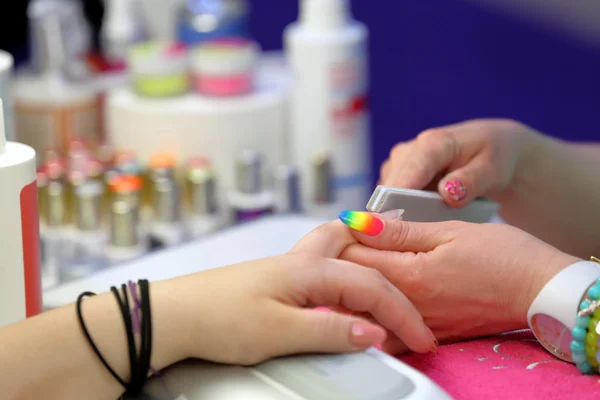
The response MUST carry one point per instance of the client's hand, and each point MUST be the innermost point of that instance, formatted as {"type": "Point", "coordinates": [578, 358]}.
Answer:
{"type": "Point", "coordinates": [467, 280]}
{"type": "Point", "coordinates": [246, 313]}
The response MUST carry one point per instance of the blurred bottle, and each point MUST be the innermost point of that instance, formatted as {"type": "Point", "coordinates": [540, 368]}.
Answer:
{"type": "Point", "coordinates": [286, 189]}
{"type": "Point", "coordinates": [51, 109]}
{"type": "Point", "coordinates": [328, 57]}
{"type": "Point", "coordinates": [123, 26]}
{"type": "Point", "coordinates": [204, 215]}
{"type": "Point", "coordinates": [55, 236]}
{"type": "Point", "coordinates": [89, 239]}
{"type": "Point", "coordinates": [125, 243]}
{"type": "Point", "coordinates": [249, 200]}
{"type": "Point", "coordinates": [167, 228]}
{"type": "Point", "coordinates": [210, 19]}
{"type": "Point", "coordinates": [322, 201]}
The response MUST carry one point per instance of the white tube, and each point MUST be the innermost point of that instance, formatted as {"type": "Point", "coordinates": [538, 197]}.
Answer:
{"type": "Point", "coordinates": [20, 282]}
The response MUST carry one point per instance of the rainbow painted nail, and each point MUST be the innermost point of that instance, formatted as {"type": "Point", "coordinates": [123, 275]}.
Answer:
{"type": "Point", "coordinates": [362, 222]}
{"type": "Point", "coordinates": [456, 190]}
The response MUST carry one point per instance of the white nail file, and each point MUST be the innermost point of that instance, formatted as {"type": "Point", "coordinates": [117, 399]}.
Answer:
{"type": "Point", "coordinates": [424, 206]}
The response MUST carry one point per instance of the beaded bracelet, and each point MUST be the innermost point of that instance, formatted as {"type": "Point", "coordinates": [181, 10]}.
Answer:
{"type": "Point", "coordinates": [584, 346]}
{"type": "Point", "coordinates": [591, 340]}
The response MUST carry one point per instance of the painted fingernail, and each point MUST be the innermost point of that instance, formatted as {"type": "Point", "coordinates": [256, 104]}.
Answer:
{"type": "Point", "coordinates": [357, 330]}
{"type": "Point", "coordinates": [456, 189]}
{"type": "Point", "coordinates": [362, 222]}
{"type": "Point", "coordinates": [392, 215]}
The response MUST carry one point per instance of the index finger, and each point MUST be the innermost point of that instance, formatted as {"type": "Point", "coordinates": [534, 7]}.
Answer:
{"type": "Point", "coordinates": [357, 288]}
{"type": "Point", "coordinates": [430, 153]}
{"type": "Point", "coordinates": [397, 235]}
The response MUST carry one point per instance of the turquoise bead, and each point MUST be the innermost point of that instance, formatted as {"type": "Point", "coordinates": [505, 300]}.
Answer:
{"type": "Point", "coordinates": [594, 292]}
{"type": "Point", "coordinates": [579, 357]}
{"type": "Point", "coordinates": [584, 304]}
{"type": "Point", "coordinates": [583, 322]}
{"type": "Point", "coordinates": [578, 333]}
{"type": "Point", "coordinates": [585, 367]}
{"type": "Point", "coordinates": [577, 347]}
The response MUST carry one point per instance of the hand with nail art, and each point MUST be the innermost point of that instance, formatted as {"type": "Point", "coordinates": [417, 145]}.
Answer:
{"type": "Point", "coordinates": [537, 180]}
{"type": "Point", "coordinates": [463, 161]}
{"type": "Point", "coordinates": [466, 280]}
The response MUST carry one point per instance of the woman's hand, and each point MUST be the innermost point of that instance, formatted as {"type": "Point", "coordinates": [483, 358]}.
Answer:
{"type": "Point", "coordinates": [472, 159]}
{"type": "Point", "coordinates": [246, 313]}
{"type": "Point", "coordinates": [467, 280]}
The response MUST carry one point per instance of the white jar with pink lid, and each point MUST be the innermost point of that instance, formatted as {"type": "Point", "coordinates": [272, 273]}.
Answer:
{"type": "Point", "coordinates": [224, 67]}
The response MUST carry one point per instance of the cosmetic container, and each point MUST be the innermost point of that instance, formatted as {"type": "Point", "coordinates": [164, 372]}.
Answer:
{"type": "Point", "coordinates": [249, 200]}
{"type": "Point", "coordinates": [20, 282]}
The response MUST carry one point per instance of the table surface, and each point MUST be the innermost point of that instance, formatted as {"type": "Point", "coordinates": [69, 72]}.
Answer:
{"type": "Point", "coordinates": [268, 237]}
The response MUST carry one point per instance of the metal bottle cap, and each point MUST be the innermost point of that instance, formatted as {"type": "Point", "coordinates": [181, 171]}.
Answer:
{"type": "Point", "coordinates": [42, 187]}
{"type": "Point", "coordinates": [248, 172]}
{"type": "Point", "coordinates": [157, 173]}
{"type": "Point", "coordinates": [203, 191]}
{"type": "Point", "coordinates": [287, 188]}
{"type": "Point", "coordinates": [166, 202]}
{"type": "Point", "coordinates": [123, 224]}
{"type": "Point", "coordinates": [55, 204]}
{"type": "Point", "coordinates": [323, 177]}
{"type": "Point", "coordinates": [88, 205]}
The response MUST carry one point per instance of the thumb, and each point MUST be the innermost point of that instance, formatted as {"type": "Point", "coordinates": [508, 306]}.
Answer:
{"type": "Point", "coordinates": [324, 331]}
{"type": "Point", "coordinates": [461, 186]}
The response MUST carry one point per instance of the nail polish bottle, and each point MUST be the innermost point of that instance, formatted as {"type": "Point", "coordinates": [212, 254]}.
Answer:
{"type": "Point", "coordinates": [89, 237]}
{"type": "Point", "coordinates": [129, 189]}
{"type": "Point", "coordinates": [56, 238]}
{"type": "Point", "coordinates": [167, 228]}
{"type": "Point", "coordinates": [249, 201]}
{"type": "Point", "coordinates": [286, 190]}
{"type": "Point", "coordinates": [323, 203]}
{"type": "Point", "coordinates": [125, 243]}
{"type": "Point", "coordinates": [204, 216]}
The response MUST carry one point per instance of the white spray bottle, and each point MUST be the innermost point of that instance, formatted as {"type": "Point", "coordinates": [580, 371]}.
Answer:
{"type": "Point", "coordinates": [327, 52]}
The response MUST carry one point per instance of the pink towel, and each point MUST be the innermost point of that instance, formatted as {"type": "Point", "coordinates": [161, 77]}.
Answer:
{"type": "Point", "coordinates": [509, 366]}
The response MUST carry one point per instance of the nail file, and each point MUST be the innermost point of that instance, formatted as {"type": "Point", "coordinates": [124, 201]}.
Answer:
{"type": "Point", "coordinates": [424, 206]}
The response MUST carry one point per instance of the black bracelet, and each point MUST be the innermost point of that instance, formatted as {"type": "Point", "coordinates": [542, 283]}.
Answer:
{"type": "Point", "coordinates": [91, 342]}
{"type": "Point", "coordinates": [133, 364]}
{"type": "Point", "coordinates": [146, 332]}
{"type": "Point", "coordinates": [139, 366]}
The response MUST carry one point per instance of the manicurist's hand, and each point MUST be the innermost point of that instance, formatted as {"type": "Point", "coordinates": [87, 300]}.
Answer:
{"type": "Point", "coordinates": [467, 280]}
{"type": "Point", "coordinates": [543, 185]}
{"type": "Point", "coordinates": [462, 161]}
{"type": "Point", "coordinates": [246, 313]}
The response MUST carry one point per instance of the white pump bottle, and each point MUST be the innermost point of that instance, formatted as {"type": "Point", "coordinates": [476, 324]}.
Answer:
{"type": "Point", "coordinates": [327, 52]}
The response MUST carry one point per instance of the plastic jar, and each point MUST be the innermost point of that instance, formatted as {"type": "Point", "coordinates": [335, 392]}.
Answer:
{"type": "Point", "coordinates": [224, 67]}
{"type": "Point", "coordinates": [159, 69]}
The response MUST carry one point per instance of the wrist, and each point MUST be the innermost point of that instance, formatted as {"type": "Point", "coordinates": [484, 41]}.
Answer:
{"type": "Point", "coordinates": [544, 269]}
{"type": "Point", "coordinates": [535, 149]}
{"type": "Point", "coordinates": [167, 326]}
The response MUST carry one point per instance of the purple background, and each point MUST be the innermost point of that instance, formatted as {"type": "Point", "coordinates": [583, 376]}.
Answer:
{"type": "Point", "coordinates": [435, 62]}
